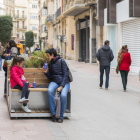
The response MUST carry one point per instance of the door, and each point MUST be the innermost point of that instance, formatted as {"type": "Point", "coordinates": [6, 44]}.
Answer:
{"type": "Point", "coordinates": [22, 14]}
{"type": "Point", "coordinates": [83, 41]}
{"type": "Point", "coordinates": [113, 44]}
{"type": "Point", "coordinates": [131, 37]}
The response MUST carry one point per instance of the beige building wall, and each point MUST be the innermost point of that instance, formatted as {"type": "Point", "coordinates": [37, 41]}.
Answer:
{"type": "Point", "coordinates": [21, 18]}
{"type": "Point", "coordinates": [2, 7]}
{"type": "Point", "coordinates": [10, 10]}
{"type": "Point", "coordinates": [32, 18]}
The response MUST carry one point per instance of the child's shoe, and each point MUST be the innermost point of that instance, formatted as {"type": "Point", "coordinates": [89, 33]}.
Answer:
{"type": "Point", "coordinates": [23, 100]}
{"type": "Point", "coordinates": [26, 109]}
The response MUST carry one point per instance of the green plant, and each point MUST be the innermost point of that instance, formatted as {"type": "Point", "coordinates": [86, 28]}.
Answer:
{"type": "Point", "coordinates": [6, 26]}
{"type": "Point", "coordinates": [29, 39]}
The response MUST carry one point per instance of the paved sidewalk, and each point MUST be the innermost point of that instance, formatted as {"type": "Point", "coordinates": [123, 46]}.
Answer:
{"type": "Point", "coordinates": [133, 78]}
{"type": "Point", "coordinates": [21, 129]}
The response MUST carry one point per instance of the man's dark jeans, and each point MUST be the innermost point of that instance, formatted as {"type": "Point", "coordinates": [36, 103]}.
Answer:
{"type": "Point", "coordinates": [107, 72]}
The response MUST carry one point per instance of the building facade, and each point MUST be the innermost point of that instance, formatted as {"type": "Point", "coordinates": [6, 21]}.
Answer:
{"type": "Point", "coordinates": [43, 30]}
{"type": "Point", "coordinates": [121, 28]}
{"type": "Point", "coordinates": [10, 10]}
{"type": "Point", "coordinates": [21, 18]}
{"type": "Point", "coordinates": [32, 19]}
{"type": "Point", "coordinates": [2, 7]}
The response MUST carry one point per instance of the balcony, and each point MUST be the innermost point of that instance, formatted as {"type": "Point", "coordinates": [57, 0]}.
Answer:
{"type": "Point", "coordinates": [21, 28]}
{"type": "Point", "coordinates": [58, 13]}
{"type": "Point", "coordinates": [20, 17]}
{"type": "Point", "coordinates": [75, 7]}
{"type": "Point", "coordinates": [22, 39]}
{"type": "Point", "coordinates": [45, 5]}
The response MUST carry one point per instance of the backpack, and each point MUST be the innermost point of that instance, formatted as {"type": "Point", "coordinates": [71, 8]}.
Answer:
{"type": "Point", "coordinates": [69, 72]}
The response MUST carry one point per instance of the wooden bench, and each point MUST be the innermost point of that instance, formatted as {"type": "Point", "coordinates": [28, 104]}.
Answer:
{"type": "Point", "coordinates": [38, 100]}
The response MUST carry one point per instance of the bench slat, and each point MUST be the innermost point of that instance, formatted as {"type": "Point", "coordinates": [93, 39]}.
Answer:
{"type": "Point", "coordinates": [33, 89]}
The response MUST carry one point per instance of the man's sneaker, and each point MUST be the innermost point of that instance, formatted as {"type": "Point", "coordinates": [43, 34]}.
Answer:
{"type": "Point", "coordinates": [106, 88]}
{"type": "Point", "coordinates": [100, 87]}
{"type": "Point", "coordinates": [54, 118]}
{"type": "Point", "coordinates": [60, 120]}
{"type": "Point", "coordinates": [124, 90]}
{"type": "Point", "coordinates": [23, 100]}
{"type": "Point", "coordinates": [26, 109]}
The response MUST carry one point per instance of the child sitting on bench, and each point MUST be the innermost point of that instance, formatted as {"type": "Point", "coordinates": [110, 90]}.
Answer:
{"type": "Point", "coordinates": [18, 81]}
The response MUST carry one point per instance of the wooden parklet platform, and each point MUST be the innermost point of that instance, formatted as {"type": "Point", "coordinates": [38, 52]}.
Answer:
{"type": "Point", "coordinates": [38, 101]}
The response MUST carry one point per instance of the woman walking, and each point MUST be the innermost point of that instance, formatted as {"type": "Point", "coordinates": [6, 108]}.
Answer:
{"type": "Point", "coordinates": [124, 59]}
{"type": "Point", "coordinates": [7, 55]}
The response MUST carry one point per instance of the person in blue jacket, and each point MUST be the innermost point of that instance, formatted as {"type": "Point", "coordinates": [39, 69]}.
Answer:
{"type": "Point", "coordinates": [58, 76]}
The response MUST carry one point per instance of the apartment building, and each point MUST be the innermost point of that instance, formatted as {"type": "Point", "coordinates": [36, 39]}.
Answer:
{"type": "Point", "coordinates": [21, 18]}
{"type": "Point", "coordinates": [72, 26]}
{"type": "Point", "coordinates": [2, 7]}
{"type": "Point", "coordinates": [10, 10]}
{"type": "Point", "coordinates": [121, 28]}
{"type": "Point", "coordinates": [32, 19]}
{"type": "Point", "coordinates": [43, 30]}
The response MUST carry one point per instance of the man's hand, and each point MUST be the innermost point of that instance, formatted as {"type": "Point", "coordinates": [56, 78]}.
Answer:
{"type": "Point", "coordinates": [31, 86]}
{"type": "Point", "coordinates": [45, 70]}
{"type": "Point", "coordinates": [6, 54]}
{"type": "Point", "coordinates": [60, 89]}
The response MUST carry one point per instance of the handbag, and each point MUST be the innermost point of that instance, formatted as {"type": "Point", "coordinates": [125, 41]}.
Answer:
{"type": "Point", "coordinates": [117, 68]}
{"type": "Point", "coordinates": [69, 72]}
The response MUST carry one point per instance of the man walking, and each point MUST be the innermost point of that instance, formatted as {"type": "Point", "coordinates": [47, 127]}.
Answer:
{"type": "Point", "coordinates": [57, 49]}
{"type": "Point", "coordinates": [20, 46]}
{"type": "Point", "coordinates": [105, 56]}
{"type": "Point", "coordinates": [1, 52]}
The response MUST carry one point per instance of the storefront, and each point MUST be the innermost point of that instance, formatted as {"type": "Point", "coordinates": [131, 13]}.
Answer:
{"type": "Point", "coordinates": [84, 35]}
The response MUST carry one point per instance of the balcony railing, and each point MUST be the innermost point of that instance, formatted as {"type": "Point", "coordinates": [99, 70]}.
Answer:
{"type": "Point", "coordinates": [58, 12]}
{"type": "Point", "coordinates": [20, 17]}
{"type": "Point", "coordinates": [22, 38]}
{"type": "Point", "coordinates": [21, 27]}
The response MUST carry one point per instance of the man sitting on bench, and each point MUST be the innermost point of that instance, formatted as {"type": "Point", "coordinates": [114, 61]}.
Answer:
{"type": "Point", "coordinates": [58, 75]}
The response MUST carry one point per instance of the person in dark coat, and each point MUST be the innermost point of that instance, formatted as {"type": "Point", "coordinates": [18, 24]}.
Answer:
{"type": "Point", "coordinates": [7, 56]}
{"type": "Point", "coordinates": [105, 56]}
{"type": "Point", "coordinates": [58, 76]}
{"type": "Point", "coordinates": [37, 47]}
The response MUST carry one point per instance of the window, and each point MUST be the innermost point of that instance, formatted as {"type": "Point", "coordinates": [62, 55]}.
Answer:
{"type": "Point", "coordinates": [44, 12]}
{"type": "Point", "coordinates": [23, 24]}
{"type": "Point", "coordinates": [17, 24]}
{"type": "Point", "coordinates": [43, 28]}
{"type": "Point", "coordinates": [35, 37]}
{"type": "Point", "coordinates": [23, 14]}
{"type": "Point", "coordinates": [33, 5]}
{"type": "Point", "coordinates": [17, 13]}
{"type": "Point", "coordinates": [33, 16]}
{"type": "Point", "coordinates": [33, 27]}
{"type": "Point", "coordinates": [72, 41]}
{"type": "Point", "coordinates": [17, 35]}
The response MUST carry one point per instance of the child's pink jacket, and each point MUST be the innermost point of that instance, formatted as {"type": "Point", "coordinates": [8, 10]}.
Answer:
{"type": "Point", "coordinates": [15, 77]}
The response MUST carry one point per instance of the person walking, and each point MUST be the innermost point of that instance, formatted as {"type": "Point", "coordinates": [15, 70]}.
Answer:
{"type": "Point", "coordinates": [124, 59]}
{"type": "Point", "coordinates": [58, 49]}
{"type": "Point", "coordinates": [20, 46]}
{"type": "Point", "coordinates": [105, 56]}
{"type": "Point", "coordinates": [7, 55]}
{"type": "Point", "coordinates": [1, 52]}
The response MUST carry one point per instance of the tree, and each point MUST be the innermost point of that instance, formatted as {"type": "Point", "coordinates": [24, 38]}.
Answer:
{"type": "Point", "coordinates": [6, 26]}
{"type": "Point", "coordinates": [29, 39]}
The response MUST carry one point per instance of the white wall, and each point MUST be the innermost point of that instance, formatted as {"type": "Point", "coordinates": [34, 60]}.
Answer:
{"type": "Point", "coordinates": [123, 11]}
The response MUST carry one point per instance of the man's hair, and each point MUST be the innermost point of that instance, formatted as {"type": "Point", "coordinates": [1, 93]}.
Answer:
{"type": "Point", "coordinates": [37, 45]}
{"type": "Point", "coordinates": [52, 51]}
{"type": "Point", "coordinates": [106, 42]}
